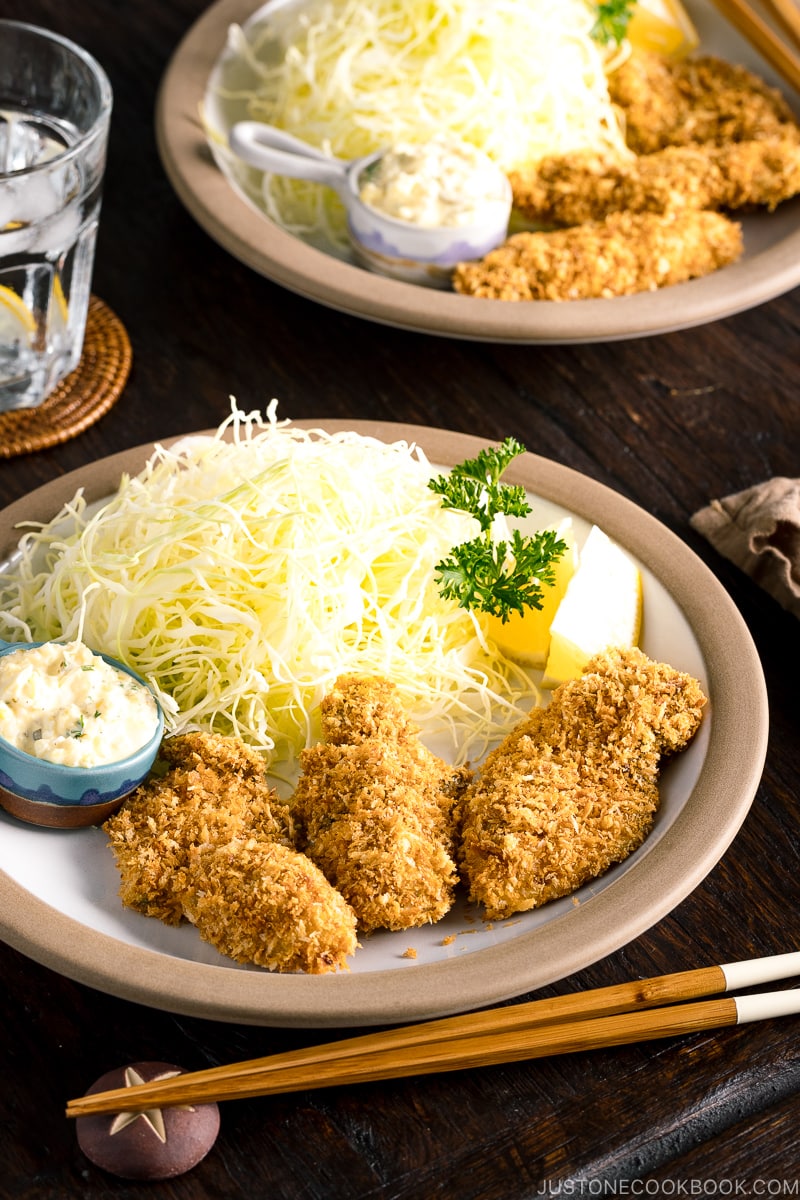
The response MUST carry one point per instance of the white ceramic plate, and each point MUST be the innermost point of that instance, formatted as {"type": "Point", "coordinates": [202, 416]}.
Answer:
{"type": "Point", "coordinates": [770, 265]}
{"type": "Point", "coordinates": [58, 889]}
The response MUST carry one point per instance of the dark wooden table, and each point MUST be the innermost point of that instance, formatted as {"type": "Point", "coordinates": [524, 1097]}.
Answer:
{"type": "Point", "coordinates": [669, 422]}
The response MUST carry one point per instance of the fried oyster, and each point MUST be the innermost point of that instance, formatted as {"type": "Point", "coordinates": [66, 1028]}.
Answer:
{"type": "Point", "coordinates": [261, 902]}
{"type": "Point", "coordinates": [668, 102]}
{"type": "Point", "coordinates": [621, 255]}
{"type": "Point", "coordinates": [210, 841]}
{"type": "Point", "coordinates": [377, 811]}
{"type": "Point", "coordinates": [571, 189]}
{"type": "Point", "coordinates": [574, 788]}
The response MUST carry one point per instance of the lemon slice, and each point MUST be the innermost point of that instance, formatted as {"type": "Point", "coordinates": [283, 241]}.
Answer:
{"type": "Point", "coordinates": [525, 637]}
{"type": "Point", "coordinates": [662, 26]}
{"type": "Point", "coordinates": [60, 300]}
{"type": "Point", "coordinates": [602, 607]}
{"type": "Point", "coordinates": [16, 319]}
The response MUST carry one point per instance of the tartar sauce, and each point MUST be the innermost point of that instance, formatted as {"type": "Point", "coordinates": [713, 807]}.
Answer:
{"type": "Point", "coordinates": [65, 704]}
{"type": "Point", "coordinates": [443, 182]}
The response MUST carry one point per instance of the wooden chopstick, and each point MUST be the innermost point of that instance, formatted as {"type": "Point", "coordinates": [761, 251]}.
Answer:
{"type": "Point", "coordinates": [763, 38]}
{"type": "Point", "coordinates": [581, 1020]}
{"type": "Point", "coordinates": [787, 15]}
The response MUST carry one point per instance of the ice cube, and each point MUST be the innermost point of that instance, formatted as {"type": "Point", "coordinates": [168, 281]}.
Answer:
{"type": "Point", "coordinates": [27, 141]}
{"type": "Point", "coordinates": [38, 197]}
{"type": "Point", "coordinates": [8, 203]}
{"type": "Point", "coordinates": [59, 232]}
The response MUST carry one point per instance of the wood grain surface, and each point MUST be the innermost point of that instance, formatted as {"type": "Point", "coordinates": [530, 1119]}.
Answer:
{"type": "Point", "coordinates": [669, 422]}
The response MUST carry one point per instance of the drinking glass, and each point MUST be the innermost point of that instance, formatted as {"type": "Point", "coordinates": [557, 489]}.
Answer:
{"type": "Point", "coordinates": [55, 110]}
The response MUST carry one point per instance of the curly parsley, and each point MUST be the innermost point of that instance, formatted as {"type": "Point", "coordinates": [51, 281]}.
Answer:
{"type": "Point", "coordinates": [612, 20]}
{"type": "Point", "coordinates": [495, 577]}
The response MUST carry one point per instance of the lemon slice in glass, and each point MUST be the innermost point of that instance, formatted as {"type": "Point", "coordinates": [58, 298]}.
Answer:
{"type": "Point", "coordinates": [602, 607]}
{"type": "Point", "coordinates": [662, 26]}
{"type": "Point", "coordinates": [60, 300]}
{"type": "Point", "coordinates": [17, 323]}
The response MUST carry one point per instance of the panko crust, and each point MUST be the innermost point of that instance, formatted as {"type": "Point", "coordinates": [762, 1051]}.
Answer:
{"type": "Point", "coordinates": [571, 189]}
{"type": "Point", "coordinates": [214, 790]}
{"type": "Point", "coordinates": [574, 788]}
{"type": "Point", "coordinates": [210, 841]}
{"type": "Point", "coordinates": [667, 102]}
{"type": "Point", "coordinates": [264, 903]}
{"type": "Point", "coordinates": [621, 255]}
{"type": "Point", "coordinates": [360, 707]}
{"type": "Point", "coordinates": [214, 750]}
{"type": "Point", "coordinates": [377, 811]}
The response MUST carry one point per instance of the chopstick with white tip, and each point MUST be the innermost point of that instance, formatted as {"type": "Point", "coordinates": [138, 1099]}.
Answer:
{"type": "Point", "coordinates": [760, 35]}
{"type": "Point", "coordinates": [601, 1017]}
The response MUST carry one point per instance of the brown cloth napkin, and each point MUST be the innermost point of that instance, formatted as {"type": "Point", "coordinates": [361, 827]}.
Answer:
{"type": "Point", "coordinates": [759, 530]}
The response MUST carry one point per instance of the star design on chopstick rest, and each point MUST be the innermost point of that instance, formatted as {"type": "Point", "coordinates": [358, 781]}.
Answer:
{"type": "Point", "coordinates": [152, 1117]}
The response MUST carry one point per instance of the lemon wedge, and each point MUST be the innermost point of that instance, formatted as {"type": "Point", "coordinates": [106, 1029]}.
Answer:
{"type": "Point", "coordinates": [525, 636]}
{"type": "Point", "coordinates": [662, 26]}
{"type": "Point", "coordinates": [16, 319]}
{"type": "Point", "coordinates": [602, 607]}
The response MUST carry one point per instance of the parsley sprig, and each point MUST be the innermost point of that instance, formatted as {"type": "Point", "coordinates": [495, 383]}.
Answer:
{"type": "Point", "coordinates": [498, 577]}
{"type": "Point", "coordinates": [612, 20]}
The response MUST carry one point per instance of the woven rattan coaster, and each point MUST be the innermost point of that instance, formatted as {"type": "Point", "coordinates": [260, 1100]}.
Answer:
{"type": "Point", "coordinates": [80, 399]}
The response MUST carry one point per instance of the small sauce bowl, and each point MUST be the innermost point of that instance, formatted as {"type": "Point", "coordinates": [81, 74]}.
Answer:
{"type": "Point", "coordinates": [65, 797]}
{"type": "Point", "coordinates": [385, 244]}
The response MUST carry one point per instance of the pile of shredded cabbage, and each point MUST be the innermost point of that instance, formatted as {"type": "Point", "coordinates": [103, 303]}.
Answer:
{"type": "Point", "coordinates": [240, 573]}
{"type": "Point", "coordinates": [517, 78]}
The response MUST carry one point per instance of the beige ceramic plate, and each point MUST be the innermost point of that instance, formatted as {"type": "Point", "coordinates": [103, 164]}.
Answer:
{"type": "Point", "coordinates": [58, 889]}
{"type": "Point", "coordinates": [770, 266]}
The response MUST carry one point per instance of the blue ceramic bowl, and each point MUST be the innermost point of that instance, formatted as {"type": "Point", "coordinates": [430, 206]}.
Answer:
{"type": "Point", "coordinates": [45, 793]}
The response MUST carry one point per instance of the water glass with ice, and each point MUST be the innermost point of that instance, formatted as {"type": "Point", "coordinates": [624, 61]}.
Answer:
{"type": "Point", "coordinates": [55, 109]}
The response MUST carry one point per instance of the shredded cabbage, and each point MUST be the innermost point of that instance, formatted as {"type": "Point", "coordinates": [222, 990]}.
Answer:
{"type": "Point", "coordinates": [240, 573]}
{"type": "Point", "coordinates": [519, 79]}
